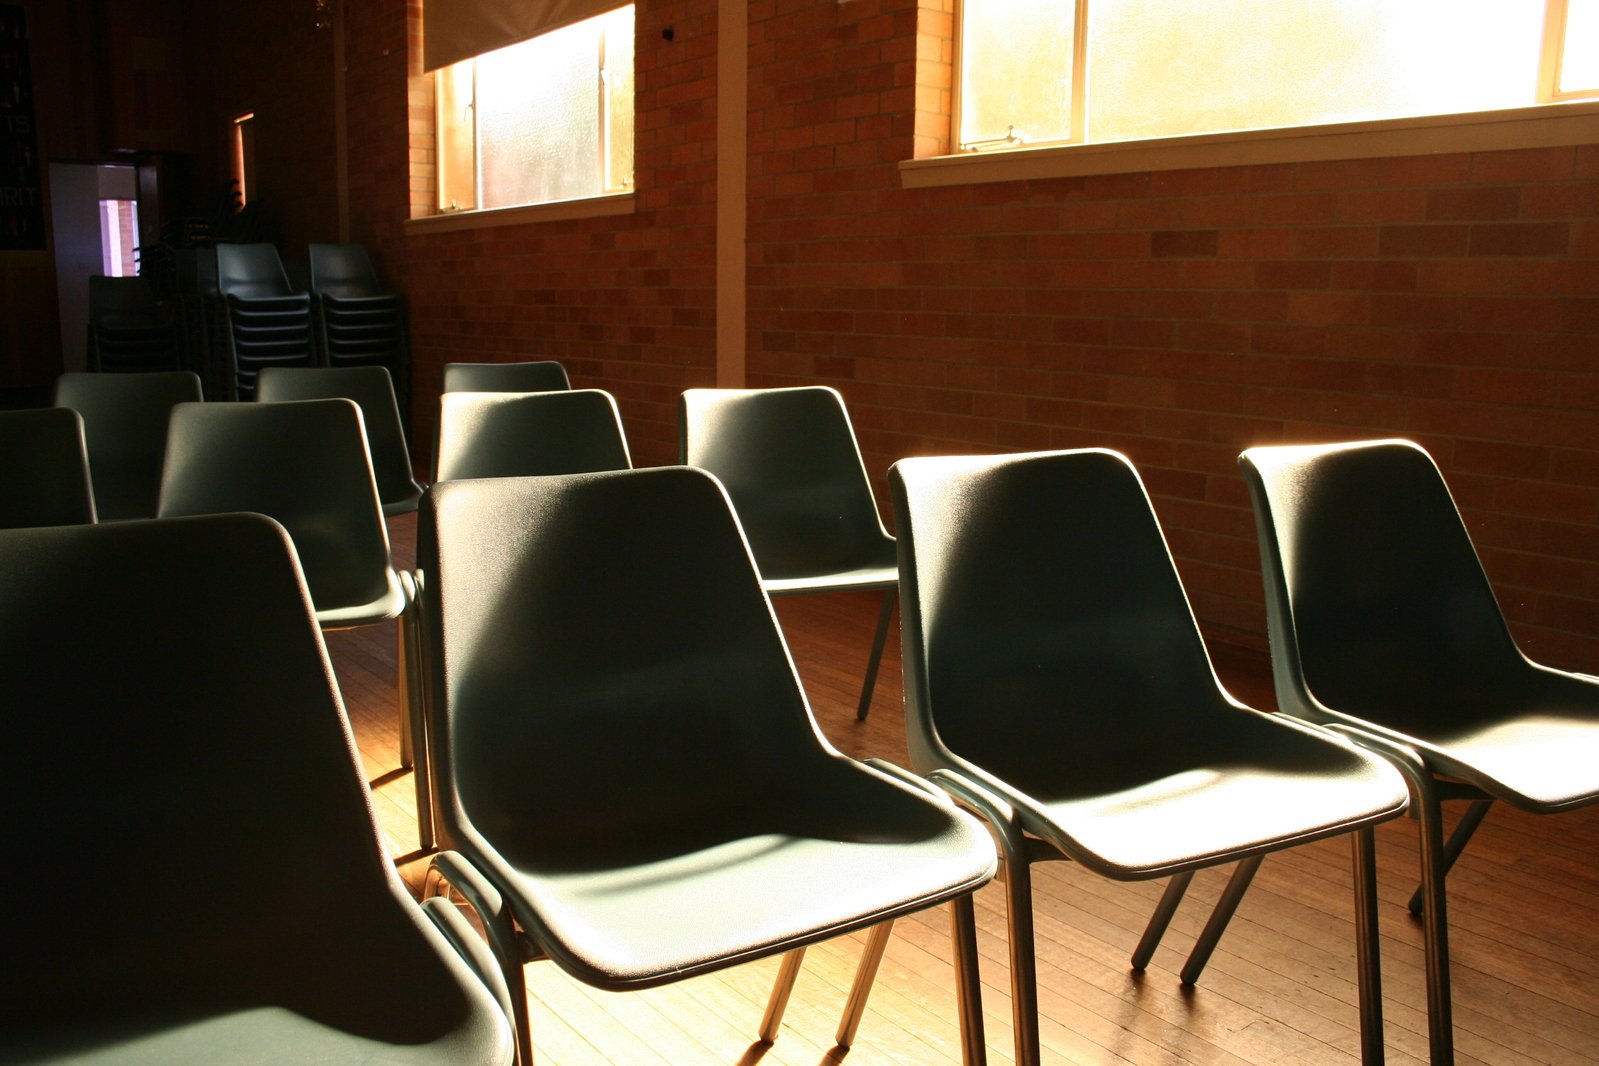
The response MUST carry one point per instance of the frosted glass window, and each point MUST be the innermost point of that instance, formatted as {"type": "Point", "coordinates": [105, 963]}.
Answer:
{"type": "Point", "coordinates": [545, 120]}
{"type": "Point", "coordinates": [538, 118]}
{"type": "Point", "coordinates": [1016, 63]}
{"type": "Point", "coordinates": [1254, 64]}
{"type": "Point", "coordinates": [1579, 63]}
{"type": "Point", "coordinates": [1159, 69]}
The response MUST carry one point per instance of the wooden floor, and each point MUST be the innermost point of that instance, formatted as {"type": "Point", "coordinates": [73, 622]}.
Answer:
{"type": "Point", "coordinates": [1524, 904]}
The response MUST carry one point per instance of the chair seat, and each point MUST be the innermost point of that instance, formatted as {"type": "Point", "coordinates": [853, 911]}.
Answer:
{"type": "Point", "coordinates": [292, 1037]}
{"type": "Point", "coordinates": [864, 577]}
{"type": "Point", "coordinates": [758, 876]}
{"type": "Point", "coordinates": [384, 608]}
{"type": "Point", "coordinates": [405, 503]}
{"type": "Point", "coordinates": [1259, 787]}
{"type": "Point", "coordinates": [1541, 759]}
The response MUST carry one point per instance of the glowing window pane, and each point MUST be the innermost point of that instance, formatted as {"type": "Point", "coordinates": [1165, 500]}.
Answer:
{"type": "Point", "coordinates": [545, 120]}
{"type": "Point", "coordinates": [1216, 65]}
{"type": "Point", "coordinates": [538, 118]}
{"type": "Point", "coordinates": [1016, 64]}
{"type": "Point", "coordinates": [1579, 63]}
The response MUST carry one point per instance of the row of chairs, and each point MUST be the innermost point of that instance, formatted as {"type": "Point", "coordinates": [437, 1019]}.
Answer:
{"type": "Point", "coordinates": [984, 599]}
{"type": "Point", "coordinates": [1018, 825]}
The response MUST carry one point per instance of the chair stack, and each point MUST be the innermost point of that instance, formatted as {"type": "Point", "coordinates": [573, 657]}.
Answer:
{"type": "Point", "coordinates": [269, 324]}
{"type": "Point", "coordinates": [128, 329]}
{"type": "Point", "coordinates": [359, 322]}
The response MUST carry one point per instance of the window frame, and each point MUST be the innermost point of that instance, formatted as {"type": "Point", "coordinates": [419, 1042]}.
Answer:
{"type": "Point", "coordinates": [607, 201]}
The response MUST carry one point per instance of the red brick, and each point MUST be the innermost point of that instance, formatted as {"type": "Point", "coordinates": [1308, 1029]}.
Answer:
{"type": "Point", "coordinates": [1422, 242]}
{"type": "Point", "coordinates": [1328, 308]}
{"type": "Point", "coordinates": [1527, 164]}
{"type": "Point", "coordinates": [1520, 238]}
{"type": "Point", "coordinates": [1184, 243]}
{"type": "Point", "coordinates": [1472, 203]}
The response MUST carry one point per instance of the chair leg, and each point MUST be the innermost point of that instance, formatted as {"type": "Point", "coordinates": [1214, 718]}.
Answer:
{"type": "Point", "coordinates": [884, 616]}
{"type": "Point", "coordinates": [1160, 919]}
{"type": "Point", "coordinates": [402, 658]}
{"type": "Point", "coordinates": [1023, 962]}
{"type": "Point", "coordinates": [968, 981]}
{"type": "Point", "coordinates": [1424, 803]}
{"type": "Point", "coordinates": [413, 727]}
{"type": "Point", "coordinates": [784, 985]}
{"type": "Point", "coordinates": [516, 984]}
{"type": "Point", "coordinates": [1367, 950]}
{"type": "Point", "coordinates": [1210, 936]}
{"type": "Point", "coordinates": [865, 974]}
{"type": "Point", "coordinates": [1464, 829]}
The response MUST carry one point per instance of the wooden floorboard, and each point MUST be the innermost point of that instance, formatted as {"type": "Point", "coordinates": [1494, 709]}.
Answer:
{"type": "Point", "coordinates": [1524, 908]}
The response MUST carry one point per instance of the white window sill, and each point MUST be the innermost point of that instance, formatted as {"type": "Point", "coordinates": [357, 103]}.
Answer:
{"type": "Point", "coordinates": [1547, 126]}
{"type": "Point", "coordinates": [620, 203]}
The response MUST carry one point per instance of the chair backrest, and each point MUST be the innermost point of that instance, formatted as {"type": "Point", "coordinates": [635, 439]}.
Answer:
{"type": "Point", "coordinates": [544, 375]}
{"type": "Point", "coordinates": [343, 270]}
{"type": "Point", "coordinates": [1043, 619]}
{"type": "Point", "coordinates": [304, 463]}
{"type": "Point", "coordinates": [251, 271]}
{"type": "Point", "coordinates": [588, 639]}
{"type": "Point", "coordinates": [520, 434]}
{"type": "Point", "coordinates": [125, 428]}
{"type": "Point", "coordinates": [789, 460]}
{"type": "Point", "coordinates": [1377, 602]}
{"type": "Point", "coordinates": [44, 469]}
{"type": "Point", "coordinates": [372, 389]}
{"type": "Point", "coordinates": [174, 733]}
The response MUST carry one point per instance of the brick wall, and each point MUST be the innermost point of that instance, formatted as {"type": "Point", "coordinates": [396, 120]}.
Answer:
{"type": "Point", "coordinates": [1179, 316]}
{"type": "Point", "coordinates": [1183, 316]}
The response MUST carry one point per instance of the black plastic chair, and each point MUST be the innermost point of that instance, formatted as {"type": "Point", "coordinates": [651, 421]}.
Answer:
{"type": "Point", "coordinates": [360, 321]}
{"type": "Point", "coordinates": [125, 429]}
{"type": "Point", "coordinates": [185, 789]}
{"type": "Point", "coordinates": [624, 759]}
{"type": "Point", "coordinates": [789, 460]}
{"type": "Point", "coordinates": [44, 469]}
{"type": "Point", "coordinates": [1384, 627]}
{"type": "Point", "coordinates": [520, 434]}
{"type": "Point", "coordinates": [373, 391]}
{"type": "Point", "coordinates": [1056, 682]}
{"type": "Point", "coordinates": [129, 331]}
{"type": "Point", "coordinates": [269, 323]}
{"type": "Point", "coordinates": [305, 464]}
{"type": "Point", "coordinates": [544, 375]}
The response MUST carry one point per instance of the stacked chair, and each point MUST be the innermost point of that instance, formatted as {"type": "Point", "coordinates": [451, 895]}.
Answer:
{"type": "Point", "coordinates": [44, 469]}
{"type": "Point", "coordinates": [598, 648]}
{"type": "Point", "coordinates": [269, 324]}
{"type": "Point", "coordinates": [1057, 683]}
{"type": "Point", "coordinates": [128, 329]}
{"type": "Point", "coordinates": [359, 322]}
{"type": "Point", "coordinates": [125, 428]}
{"type": "Point", "coordinates": [1384, 628]}
{"type": "Point", "coordinates": [373, 391]}
{"type": "Point", "coordinates": [789, 460]}
{"type": "Point", "coordinates": [185, 781]}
